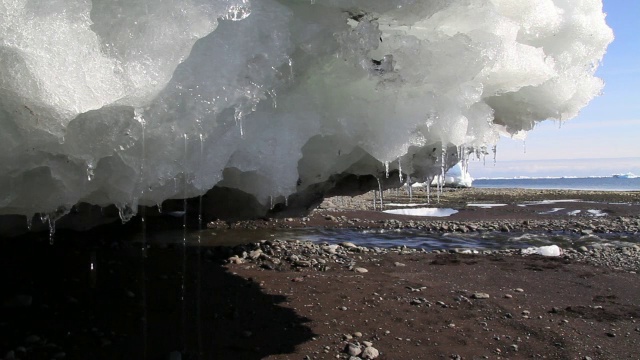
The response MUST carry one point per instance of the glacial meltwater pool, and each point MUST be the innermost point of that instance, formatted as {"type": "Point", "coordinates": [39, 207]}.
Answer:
{"type": "Point", "coordinates": [385, 238]}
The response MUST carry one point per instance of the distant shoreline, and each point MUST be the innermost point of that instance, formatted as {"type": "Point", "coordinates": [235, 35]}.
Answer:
{"type": "Point", "coordinates": [609, 183]}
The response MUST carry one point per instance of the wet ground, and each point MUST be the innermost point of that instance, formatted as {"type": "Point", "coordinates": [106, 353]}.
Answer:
{"type": "Point", "coordinates": [122, 293]}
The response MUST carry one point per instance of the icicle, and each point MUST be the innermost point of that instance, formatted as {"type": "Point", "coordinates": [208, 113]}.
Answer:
{"type": "Point", "coordinates": [380, 191]}
{"type": "Point", "coordinates": [386, 168]}
{"type": "Point", "coordinates": [200, 196]}
{"type": "Point", "coordinates": [52, 228]}
{"type": "Point", "coordinates": [238, 118]}
{"type": "Point", "coordinates": [290, 69]}
{"type": "Point", "coordinates": [159, 205]}
{"type": "Point", "coordinates": [442, 163]}
{"type": "Point", "coordinates": [126, 212]}
{"type": "Point", "coordinates": [184, 185]}
{"type": "Point", "coordinates": [272, 93]}
{"type": "Point", "coordinates": [494, 149]}
{"type": "Point", "coordinates": [271, 202]}
{"type": "Point", "coordinates": [137, 115]}
{"type": "Point", "coordinates": [375, 196]}
{"type": "Point", "coordinates": [90, 170]}
{"type": "Point", "coordinates": [286, 201]}
{"type": "Point", "coordinates": [524, 146]}
{"type": "Point", "coordinates": [429, 179]}
{"type": "Point", "coordinates": [410, 188]}
{"type": "Point", "coordinates": [29, 222]}
{"type": "Point", "coordinates": [400, 170]}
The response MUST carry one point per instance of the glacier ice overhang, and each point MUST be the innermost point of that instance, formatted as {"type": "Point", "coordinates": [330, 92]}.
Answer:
{"type": "Point", "coordinates": [132, 103]}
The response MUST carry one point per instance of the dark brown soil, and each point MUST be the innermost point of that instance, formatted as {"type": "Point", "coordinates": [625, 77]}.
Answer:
{"type": "Point", "coordinates": [565, 311]}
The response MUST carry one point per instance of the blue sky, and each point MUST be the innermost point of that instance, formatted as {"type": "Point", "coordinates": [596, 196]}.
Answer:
{"type": "Point", "coordinates": [608, 128]}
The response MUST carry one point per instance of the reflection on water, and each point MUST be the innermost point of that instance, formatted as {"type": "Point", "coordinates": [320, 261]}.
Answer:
{"type": "Point", "coordinates": [430, 212]}
{"type": "Point", "coordinates": [386, 238]}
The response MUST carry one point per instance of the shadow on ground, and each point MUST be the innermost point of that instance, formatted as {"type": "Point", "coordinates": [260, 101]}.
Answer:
{"type": "Point", "coordinates": [175, 303]}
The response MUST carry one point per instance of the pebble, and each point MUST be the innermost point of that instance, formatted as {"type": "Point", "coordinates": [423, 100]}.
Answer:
{"type": "Point", "coordinates": [353, 349]}
{"type": "Point", "coordinates": [480, 295]}
{"type": "Point", "coordinates": [370, 353]}
{"type": "Point", "coordinates": [519, 290]}
{"type": "Point", "coordinates": [361, 270]}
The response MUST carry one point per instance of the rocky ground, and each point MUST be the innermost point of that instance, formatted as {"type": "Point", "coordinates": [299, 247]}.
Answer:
{"type": "Point", "coordinates": [408, 303]}
{"type": "Point", "coordinates": [103, 295]}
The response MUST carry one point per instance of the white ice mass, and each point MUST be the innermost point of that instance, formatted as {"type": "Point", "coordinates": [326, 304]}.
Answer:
{"type": "Point", "coordinates": [131, 102]}
{"type": "Point", "coordinates": [457, 176]}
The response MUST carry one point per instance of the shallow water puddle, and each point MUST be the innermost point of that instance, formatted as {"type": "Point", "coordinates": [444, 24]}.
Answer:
{"type": "Point", "coordinates": [405, 205]}
{"type": "Point", "coordinates": [549, 202]}
{"type": "Point", "coordinates": [486, 205]}
{"type": "Point", "coordinates": [554, 210]}
{"type": "Point", "coordinates": [433, 212]}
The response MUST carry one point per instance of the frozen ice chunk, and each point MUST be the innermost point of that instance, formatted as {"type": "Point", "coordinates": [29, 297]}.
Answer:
{"type": "Point", "coordinates": [134, 102]}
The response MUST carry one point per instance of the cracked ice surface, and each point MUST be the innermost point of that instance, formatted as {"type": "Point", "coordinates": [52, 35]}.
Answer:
{"type": "Point", "coordinates": [134, 102]}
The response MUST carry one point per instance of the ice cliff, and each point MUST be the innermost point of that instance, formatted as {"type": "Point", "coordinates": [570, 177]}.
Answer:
{"type": "Point", "coordinates": [132, 102]}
